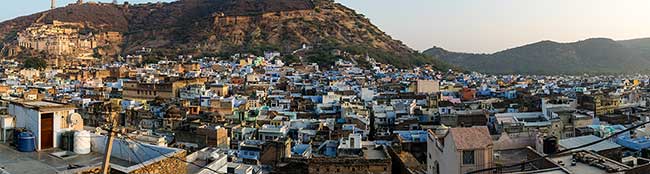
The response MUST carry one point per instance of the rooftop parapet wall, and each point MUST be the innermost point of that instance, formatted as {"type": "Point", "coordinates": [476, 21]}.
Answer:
{"type": "Point", "coordinates": [142, 158]}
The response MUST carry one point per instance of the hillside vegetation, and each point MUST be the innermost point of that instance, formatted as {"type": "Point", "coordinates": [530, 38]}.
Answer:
{"type": "Point", "coordinates": [201, 27]}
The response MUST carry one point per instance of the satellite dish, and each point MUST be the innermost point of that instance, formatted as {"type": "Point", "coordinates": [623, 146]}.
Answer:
{"type": "Point", "coordinates": [75, 121]}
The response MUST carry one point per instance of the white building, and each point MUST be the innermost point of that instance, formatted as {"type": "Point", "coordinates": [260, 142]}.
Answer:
{"type": "Point", "coordinates": [271, 132]}
{"type": "Point", "coordinates": [459, 150]}
{"type": "Point", "coordinates": [367, 94]}
{"type": "Point", "coordinates": [351, 142]}
{"type": "Point", "coordinates": [46, 120]}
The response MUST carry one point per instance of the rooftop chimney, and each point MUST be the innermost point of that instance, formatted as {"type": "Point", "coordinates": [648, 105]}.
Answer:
{"type": "Point", "coordinates": [53, 4]}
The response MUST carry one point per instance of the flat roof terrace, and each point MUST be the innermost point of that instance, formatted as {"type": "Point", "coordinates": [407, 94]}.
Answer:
{"type": "Point", "coordinates": [127, 156]}
{"type": "Point", "coordinates": [15, 162]}
{"type": "Point", "coordinates": [42, 105]}
{"type": "Point", "coordinates": [590, 163]}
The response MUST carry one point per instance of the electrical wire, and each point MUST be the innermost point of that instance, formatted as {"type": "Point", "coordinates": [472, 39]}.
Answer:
{"type": "Point", "coordinates": [177, 158]}
{"type": "Point", "coordinates": [134, 154]}
{"type": "Point", "coordinates": [562, 151]}
{"type": "Point", "coordinates": [165, 155]}
{"type": "Point", "coordinates": [121, 140]}
{"type": "Point", "coordinates": [121, 150]}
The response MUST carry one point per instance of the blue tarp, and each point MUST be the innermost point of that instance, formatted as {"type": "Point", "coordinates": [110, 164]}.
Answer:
{"type": "Point", "coordinates": [413, 136]}
{"type": "Point", "coordinates": [637, 143]}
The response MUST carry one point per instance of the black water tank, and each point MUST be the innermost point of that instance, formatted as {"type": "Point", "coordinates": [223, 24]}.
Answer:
{"type": "Point", "coordinates": [67, 140]}
{"type": "Point", "coordinates": [645, 153]}
{"type": "Point", "coordinates": [550, 145]}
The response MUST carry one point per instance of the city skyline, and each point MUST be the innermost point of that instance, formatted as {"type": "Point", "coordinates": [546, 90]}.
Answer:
{"type": "Point", "coordinates": [475, 26]}
{"type": "Point", "coordinates": [325, 87]}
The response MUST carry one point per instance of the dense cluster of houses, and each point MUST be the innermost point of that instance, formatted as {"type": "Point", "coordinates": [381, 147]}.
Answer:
{"type": "Point", "coordinates": [255, 114]}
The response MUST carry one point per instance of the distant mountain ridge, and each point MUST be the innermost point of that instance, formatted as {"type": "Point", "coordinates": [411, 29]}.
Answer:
{"type": "Point", "coordinates": [595, 55]}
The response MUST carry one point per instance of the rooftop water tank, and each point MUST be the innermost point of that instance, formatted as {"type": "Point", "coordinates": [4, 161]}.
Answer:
{"type": "Point", "coordinates": [550, 145]}
{"type": "Point", "coordinates": [26, 142]}
{"type": "Point", "coordinates": [81, 142]}
{"type": "Point", "coordinates": [14, 137]}
{"type": "Point", "coordinates": [67, 140]}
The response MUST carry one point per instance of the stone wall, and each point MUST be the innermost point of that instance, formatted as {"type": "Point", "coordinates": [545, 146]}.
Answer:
{"type": "Point", "coordinates": [541, 164]}
{"type": "Point", "coordinates": [349, 166]}
{"type": "Point", "coordinates": [166, 166]}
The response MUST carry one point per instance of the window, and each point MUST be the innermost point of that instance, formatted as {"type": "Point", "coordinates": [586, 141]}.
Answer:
{"type": "Point", "coordinates": [468, 157]}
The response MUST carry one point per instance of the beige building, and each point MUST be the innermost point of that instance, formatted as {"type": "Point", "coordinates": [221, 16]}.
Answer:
{"type": "Point", "coordinates": [373, 160]}
{"type": "Point", "coordinates": [427, 86]}
{"type": "Point", "coordinates": [459, 150]}
{"type": "Point", "coordinates": [149, 91]}
{"type": "Point", "coordinates": [46, 120]}
{"type": "Point", "coordinates": [220, 89]}
{"type": "Point", "coordinates": [65, 38]}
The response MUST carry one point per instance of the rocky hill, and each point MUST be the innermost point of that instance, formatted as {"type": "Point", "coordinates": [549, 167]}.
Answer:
{"type": "Point", "coordinates": [597, 55]}
{"type": "Point", "coordinates": [226, 26]}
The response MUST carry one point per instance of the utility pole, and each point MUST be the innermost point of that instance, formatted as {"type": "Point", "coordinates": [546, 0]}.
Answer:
{"type": "Point", "coordinates": [109, 149]}
{"type": "Point", "coordinates": [109, 144]}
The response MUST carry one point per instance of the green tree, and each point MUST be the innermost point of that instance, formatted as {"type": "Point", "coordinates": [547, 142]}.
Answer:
{"type": "Point", "coordinates": [150, 60]}
{"type": "Point", "coordinates": [288, 59]}
{"type": "Point", "coordinates": [34, 63]}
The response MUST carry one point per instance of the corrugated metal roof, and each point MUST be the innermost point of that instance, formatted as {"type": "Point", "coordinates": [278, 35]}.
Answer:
{"type": "Point", "coordinates": [578, 141]}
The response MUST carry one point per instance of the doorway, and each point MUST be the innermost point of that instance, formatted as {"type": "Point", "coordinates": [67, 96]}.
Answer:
{"type": "Point", "coordinates": [47, 130]}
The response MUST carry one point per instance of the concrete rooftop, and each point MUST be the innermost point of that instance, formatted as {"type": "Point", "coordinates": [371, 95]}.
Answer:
{"type": "Point", "coordinates": [15, 162]}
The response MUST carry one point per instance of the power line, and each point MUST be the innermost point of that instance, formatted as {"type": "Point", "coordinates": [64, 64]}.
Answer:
{"type": "Point", "coordinates": [562, 151]}
{"type": "Point", "coordinates": [177, 158]}
{"type": "Point", "coordinates": [121, 150]}
{"type": "Point", "coordinates": [109, 149]}
{"type": "Point", "coordinates": [135, 154]}
{"type": "Point", "coordinates": [122, 143]}
{"type": "Point", "coordinates": [165, 155]}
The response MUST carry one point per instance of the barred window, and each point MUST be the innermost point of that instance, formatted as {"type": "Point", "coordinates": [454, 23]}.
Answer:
{"type": "Point", "coordinates": [468, 157]}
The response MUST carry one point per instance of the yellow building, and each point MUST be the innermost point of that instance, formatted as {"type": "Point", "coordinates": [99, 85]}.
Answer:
{"type": "Point", "coordinates": [605, 105]}
{"type": "Point", "coordinates": [149, 91]}
{"type": "Point", "coordinates": [220, 89]}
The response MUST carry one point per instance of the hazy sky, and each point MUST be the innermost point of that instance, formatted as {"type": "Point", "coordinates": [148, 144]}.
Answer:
{"type": "Point", "coordinates": [473, 25]}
